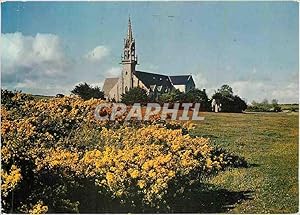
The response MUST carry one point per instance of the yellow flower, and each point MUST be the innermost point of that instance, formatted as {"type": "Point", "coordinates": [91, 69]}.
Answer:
{"type": "Point", "coordinates": [152, 173]}
{"type": "Point", "coordinates": [10, 180]}
{"type": "Point", "coordinates": [39, 208]}
{"type": "Point", "coordinates": [141, 184]}
{"type": "Point", "coordinates": [134, 173]}
{"type": "Point", "coordinates": [209, 163]}
{"type": "Point", "coordinates": [171, 173]}
{"type": "Point", "coordinates": [110, 178]}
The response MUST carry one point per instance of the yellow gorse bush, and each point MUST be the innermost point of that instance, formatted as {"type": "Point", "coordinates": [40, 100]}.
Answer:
{"type": "Point", "coordinates": [147, 158]}
{"type": "Point", "coordinates": [10, 179]}
{"type": "Point", "coordinates": [39, 208]}
{"type": "Point", "coordinates": [59, 138]}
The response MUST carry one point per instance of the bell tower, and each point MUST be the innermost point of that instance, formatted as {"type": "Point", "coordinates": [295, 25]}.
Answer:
{"type": "Point", "coordinates": [129, 60]}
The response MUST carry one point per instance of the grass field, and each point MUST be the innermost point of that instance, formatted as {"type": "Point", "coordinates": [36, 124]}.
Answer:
{"type": "Point", "coordinates": [269, 142]}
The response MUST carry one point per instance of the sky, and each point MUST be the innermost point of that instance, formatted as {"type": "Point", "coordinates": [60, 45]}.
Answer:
{"type": "Point", "coordinates": [49, 47]}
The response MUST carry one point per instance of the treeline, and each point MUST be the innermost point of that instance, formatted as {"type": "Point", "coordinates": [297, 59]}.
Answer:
{"type": "Point", "coordinates": [224, 96]}
{"type": "Point", "coordinates": [264, 106]}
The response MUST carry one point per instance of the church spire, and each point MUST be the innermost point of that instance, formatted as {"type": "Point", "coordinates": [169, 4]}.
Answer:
{"type": "Point", "coordinates": [129, 60]}
{"type": "Point", "coordinates": [129, 54]}
{"type": "Point", "coordinates": [129, 34]}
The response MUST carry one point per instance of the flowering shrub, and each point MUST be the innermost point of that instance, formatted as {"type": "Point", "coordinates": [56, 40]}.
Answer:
{"type": "Point", "coordinates": [146, 158]}
{"type": "Point", "coordinates": [10, 180]}
{"type": "Point", "coordinates": [38, 208]}
{"type": "Point", "coordinates": [54, 149]}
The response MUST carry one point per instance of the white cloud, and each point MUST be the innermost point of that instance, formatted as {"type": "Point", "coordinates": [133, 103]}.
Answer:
{"type": "Point", "coordinates": [43, 87]}
{"type": "Point", "coordinates": [97, 54]}
{"type": "Point", "coordinates": [113, 72]}
{"type": "Point", "coordinates": [98, 84]}
{"type": "Point", "coordinates": [38, 65]}
{"type": "Point", "coordinates": [259, 90]}
{"type": "Point", "coordinates": [253, 88]}
{"type": "Point", "coordinates": [33, 63]}
{"type": "Point", "coordinates": [43, 51]}
{"type": "Point", "coordinates": [28, 58]}
{"type": "Point", "coordinates": [200, 80]}
{"type": "Point", "coordinates": [287, 94]}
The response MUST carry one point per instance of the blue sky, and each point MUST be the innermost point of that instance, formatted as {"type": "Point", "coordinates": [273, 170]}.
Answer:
{"type": "Point", "coordinates": [48, 47]}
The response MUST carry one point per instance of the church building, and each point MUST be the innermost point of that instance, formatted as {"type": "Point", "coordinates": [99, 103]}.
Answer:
{"type": "Point", "coordinates": [154, 84]}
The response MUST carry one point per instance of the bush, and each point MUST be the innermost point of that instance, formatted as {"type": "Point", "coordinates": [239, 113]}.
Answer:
{"type": "Point", "coordinates": [14, 99]}
{"type": "Point", "coordinates": [56, 157]}
{"type": "Point", "coordinates": [171, 97]}
{"type": "Point", "coordinates": [230, 103]}
{"type": "Point", "coordinates": [87, 92]}
{"type": "Point", "coordinates": [197, 96]}
{"type": "Point", "coordinates": [264, 106]}
{"type": "Point", "coordinates": [192, 96]}
{"type": "Point", "coordinates": [135, 95]}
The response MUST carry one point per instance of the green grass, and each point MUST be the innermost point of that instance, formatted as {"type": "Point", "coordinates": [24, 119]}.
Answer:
{"type": "Point", "coordinates": [269, 142]}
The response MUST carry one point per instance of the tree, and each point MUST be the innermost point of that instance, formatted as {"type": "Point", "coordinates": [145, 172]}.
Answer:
{"type": "Point", "coordinates": [274, 101]}
{"type": "Point", "coordinates": [230, 102]}
{"type": "Point", "coordinates": [239, 104]}
{"type": "Point", "coordinates": [225, 90]}
{"type": "Point", "coordinates": [135, 95]}
{"type": "Point", "coordinates": [197, 96]}
{"type": "Point", "coordinates": [173, 96]}
{"type": "Point", "coordinates": [265, 102]}
{"type": "Point", "coordinates": [265, 106]}
{"type": "Point", "coordinates": [276, 106]}
{"type": "Point", "coordinates": [87, 92]}
{"type": "Point", "coordinates": [225, 101]}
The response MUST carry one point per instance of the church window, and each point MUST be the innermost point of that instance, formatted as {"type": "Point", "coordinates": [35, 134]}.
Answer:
{"type": "Point", "coordinates": [152, 87]}
{"type": "Point", "coordinates": [126, 89]}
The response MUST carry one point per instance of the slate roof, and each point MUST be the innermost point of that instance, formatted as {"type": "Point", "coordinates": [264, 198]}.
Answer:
{"type": "Point", "coordinates": [109, 83]}
{"type": "Point", "coordinates": [151, 80]}
{"type": "Point", "coordinates": [180, 79]}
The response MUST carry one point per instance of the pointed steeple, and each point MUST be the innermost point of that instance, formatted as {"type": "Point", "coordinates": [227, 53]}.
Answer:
{"type": "Point", "coordinates": [129, 54]}
{"type": "Point", "coordinates": [129, 33]}
{"type": "Point", "coordinates": [129, 60]}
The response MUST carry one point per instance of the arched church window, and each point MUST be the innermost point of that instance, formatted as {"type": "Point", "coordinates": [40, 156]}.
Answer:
{"type": "Point", "coordinates": [126, 88]}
